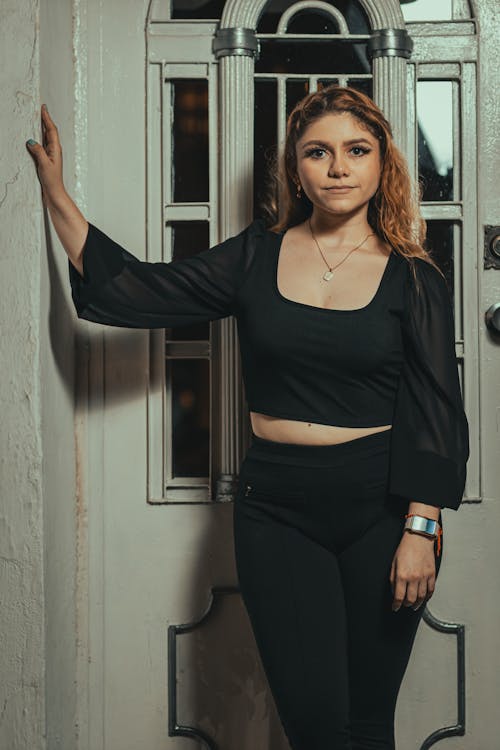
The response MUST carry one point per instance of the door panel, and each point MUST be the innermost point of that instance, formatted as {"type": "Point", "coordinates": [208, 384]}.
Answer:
{"type": "Point", "coordinates": [168, 658]}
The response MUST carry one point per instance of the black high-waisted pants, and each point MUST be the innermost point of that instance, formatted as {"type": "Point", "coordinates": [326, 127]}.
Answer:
{"type": "Point", "coordinates": [315, 532]}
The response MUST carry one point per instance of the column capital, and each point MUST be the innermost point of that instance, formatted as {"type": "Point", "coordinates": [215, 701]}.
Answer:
{"type": "Point", "coordinates": [390, 43]}
{"type": "Point", "coordinates": [235, 40]}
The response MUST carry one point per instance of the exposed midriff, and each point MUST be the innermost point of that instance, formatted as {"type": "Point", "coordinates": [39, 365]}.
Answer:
{"type": "Point", "coordinates": [306, 433]}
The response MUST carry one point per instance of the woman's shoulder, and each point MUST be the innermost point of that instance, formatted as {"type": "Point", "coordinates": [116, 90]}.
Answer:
{"type": "Point", "coordinates": [258, 227]}
{"type": "Point", "coordinates": [243, 239]}
{"type": "Point", "coordinates": [427, 286]}
{"type": "Point", "coordinates": [429, 273]}
{"type": "Point", "coordinates": [420, 267]}
{"type": "Point", "coordinates": [262, 225]}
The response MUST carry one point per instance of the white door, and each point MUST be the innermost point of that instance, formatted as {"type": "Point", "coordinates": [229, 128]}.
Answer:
{"type": "Point", "coordinates": [174, 97]}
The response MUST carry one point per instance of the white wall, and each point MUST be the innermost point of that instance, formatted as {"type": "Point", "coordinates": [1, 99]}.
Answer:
{"type": "Point", "coordinates": [22, 649]}
{"type": "Point", "coordinates": [57, 326]}
{"type": "Point", "coordinates": [37, 487]}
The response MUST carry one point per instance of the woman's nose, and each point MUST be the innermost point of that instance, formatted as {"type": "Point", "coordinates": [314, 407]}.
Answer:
{"type": "Point", "coordinates": [337, 168]}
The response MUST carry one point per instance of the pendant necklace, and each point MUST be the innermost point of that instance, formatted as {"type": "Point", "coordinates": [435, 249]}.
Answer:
{"type": "Point", "coordinates": [328, 275]}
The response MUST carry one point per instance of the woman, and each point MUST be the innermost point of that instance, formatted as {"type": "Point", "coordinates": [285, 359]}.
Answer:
{"type": "Point", "coordinates": [359, 433]}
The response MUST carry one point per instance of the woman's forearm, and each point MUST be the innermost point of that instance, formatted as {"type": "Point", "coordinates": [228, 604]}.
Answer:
{"type": "Point", "coordinates": [70, 224]}
{"type": "Point", "coordinates": [429, 511]}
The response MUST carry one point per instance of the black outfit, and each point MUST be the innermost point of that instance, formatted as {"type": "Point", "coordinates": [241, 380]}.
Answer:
{"type": "Point", "coordinates": [316, 527]}
{"type": "Point", "coordinates": [390, 362]}
{"type": "Point", "coordinates": [315, 532]}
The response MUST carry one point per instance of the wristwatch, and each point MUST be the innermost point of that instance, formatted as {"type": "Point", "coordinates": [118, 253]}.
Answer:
{"type": "Point", "coordinates": [422, 525]}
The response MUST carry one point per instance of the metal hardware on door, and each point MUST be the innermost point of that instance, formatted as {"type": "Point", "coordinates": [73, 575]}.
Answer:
{"type": "Point", "coordinates": [492, 317]}
{"type": "Point", "coordinates": [495, 245]}
{"type": "Point", "coordinates": [492, 247]}
{"type": "Point", "coordinates": [248, 487]}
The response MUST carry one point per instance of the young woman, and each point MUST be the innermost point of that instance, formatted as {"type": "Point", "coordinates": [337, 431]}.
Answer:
{"type": "Point", "coordinates": [359, 436]}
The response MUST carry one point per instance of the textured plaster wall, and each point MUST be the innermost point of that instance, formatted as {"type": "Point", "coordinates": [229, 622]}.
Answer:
{"type": "Point", "coordinates": [22, 652]}
{"type": "Point", "coordinates": [37, 558]}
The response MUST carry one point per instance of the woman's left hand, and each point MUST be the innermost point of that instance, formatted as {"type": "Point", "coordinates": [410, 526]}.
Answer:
{"type": "Point", "coordinates": [413, 571]}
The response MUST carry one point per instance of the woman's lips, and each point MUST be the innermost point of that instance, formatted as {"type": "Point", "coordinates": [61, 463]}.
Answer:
{"type": "Point", "coordinates": [339, 190]}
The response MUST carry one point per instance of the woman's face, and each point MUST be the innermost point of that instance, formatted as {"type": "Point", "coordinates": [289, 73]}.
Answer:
{"type": "Point", "coordinates": [336, 150]}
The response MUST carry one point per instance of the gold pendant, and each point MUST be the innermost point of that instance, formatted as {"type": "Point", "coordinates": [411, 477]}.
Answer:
{"type": "Point", "coordinates": [328, 275]}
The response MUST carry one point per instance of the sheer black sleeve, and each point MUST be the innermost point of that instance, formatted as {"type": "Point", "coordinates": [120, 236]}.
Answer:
{"type": "Point", "coordinates": [118, 289]}
{"type": "Point", "coordinates": [430, 433]}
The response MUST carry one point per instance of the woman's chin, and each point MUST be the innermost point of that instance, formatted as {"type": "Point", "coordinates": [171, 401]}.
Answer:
{"type": "Point", "coordinates": [337, 205]}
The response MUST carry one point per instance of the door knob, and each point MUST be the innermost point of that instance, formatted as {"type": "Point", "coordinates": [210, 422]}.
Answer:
{"type": "Point", "coordinates": [495, 244]}
{"type": "Point", "coordinates": [492, 317]}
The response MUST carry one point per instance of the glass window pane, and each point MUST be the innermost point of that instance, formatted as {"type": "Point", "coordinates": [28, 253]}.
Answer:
{"type": "Point", "coordinates": [190, 385]}
{"type": "Point", "coordinates": [324, 82]}
{"type": "Point", "coordinates": [190, 140]}
{"type": "Point", "coordinates": [365, 85]}
{"type": "Point", "coordinates": [313, 21]}
{"type": "Point", "coordinates": [435, 139]}
{"type": "Point", "coordinates": [440, 244]}
{"type": "Point", "coordinates": [312, 57]}
{"type": "Point", "coordinates": [355, 16]}
{"type": "Point", "coordinates": [189, 238]}
{"type": "Point", "coordinates": [197, 8]}
{"type": "Point", "coordinates": [426, 10]}
{"type": "Point", "coordinates": [265, 136]}
{"type": "Point", "coordinates": [295, 91]}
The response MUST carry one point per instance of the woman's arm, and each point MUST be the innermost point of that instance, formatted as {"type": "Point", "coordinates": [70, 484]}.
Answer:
{"type": "Point", "coordinates": [430, 431]}
{"type": "Point", "coordinates": [71, 227]}
{"type": "Point", "coordinates": [422, 509]}
{"type": "Point", "coordinates": [111, 286]}
{"type": "Point", "coordinates": [69, 222]}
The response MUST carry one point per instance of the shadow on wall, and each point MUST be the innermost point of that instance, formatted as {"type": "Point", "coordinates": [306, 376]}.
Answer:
{"type": "Point", "coordinates": [227, 698]}
{"type": "Point", "coordinates": [125, 367]}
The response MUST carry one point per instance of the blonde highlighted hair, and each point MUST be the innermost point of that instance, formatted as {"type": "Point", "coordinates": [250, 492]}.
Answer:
{"type": "Point", "coordinates": [393, 211]}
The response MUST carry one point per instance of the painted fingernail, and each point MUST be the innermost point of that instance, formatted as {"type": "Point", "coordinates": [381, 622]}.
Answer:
{"type": "Point", "coordinates": [31, 142]}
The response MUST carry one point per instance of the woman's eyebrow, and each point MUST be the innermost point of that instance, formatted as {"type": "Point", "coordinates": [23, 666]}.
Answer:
{"type": "Point", "coordinates": [346, 143]}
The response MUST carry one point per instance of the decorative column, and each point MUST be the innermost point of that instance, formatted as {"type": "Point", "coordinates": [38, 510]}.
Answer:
{"type": "Point", "coordinates": [389, 50]}
{"type": "Point", "coordinates": [236, 48]}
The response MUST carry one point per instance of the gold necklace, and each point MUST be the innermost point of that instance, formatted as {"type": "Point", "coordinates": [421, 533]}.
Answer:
{"type": "Point", "coordinates": [328, 275]}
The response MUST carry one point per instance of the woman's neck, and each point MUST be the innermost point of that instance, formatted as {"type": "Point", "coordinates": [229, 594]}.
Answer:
{"type": "Point", "coordinates": [339, 230]}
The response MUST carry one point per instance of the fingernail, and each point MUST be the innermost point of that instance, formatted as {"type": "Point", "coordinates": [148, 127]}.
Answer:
{"type": "Point", "coordinates": [31, 142]}
{"type": "Point", "coordinates": [44, 106]}
{"type": "Point", "coordinates": [395, 609]}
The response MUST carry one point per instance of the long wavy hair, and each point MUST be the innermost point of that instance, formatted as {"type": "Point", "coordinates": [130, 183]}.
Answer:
{"type": "Point", "coordinates": [393, 211]}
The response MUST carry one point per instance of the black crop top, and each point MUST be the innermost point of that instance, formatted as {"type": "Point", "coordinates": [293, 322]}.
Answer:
{"type": "Point", "coordinates": [390, 362]}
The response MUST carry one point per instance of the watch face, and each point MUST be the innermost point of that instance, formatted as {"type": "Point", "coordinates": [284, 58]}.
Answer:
{"type": "Point", "coordinates": [425, 526]}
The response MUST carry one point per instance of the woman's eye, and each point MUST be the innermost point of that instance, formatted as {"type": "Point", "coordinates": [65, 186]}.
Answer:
{"type": "Point", "coordinates": [314, 151]}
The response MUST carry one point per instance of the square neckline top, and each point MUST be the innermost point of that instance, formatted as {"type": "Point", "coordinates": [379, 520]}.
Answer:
{"type": "Point", "coordinates": [277, 238]}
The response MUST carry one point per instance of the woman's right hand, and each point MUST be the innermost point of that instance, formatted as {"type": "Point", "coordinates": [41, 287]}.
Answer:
{"type": "Point", "coordinates": [69, 222]}
{"type": "Point", "coordinates": [48, 158]}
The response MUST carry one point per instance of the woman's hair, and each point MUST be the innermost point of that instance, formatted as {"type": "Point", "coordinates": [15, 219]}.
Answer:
{"type": "Point", "coordinates": [393, 211]}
